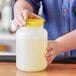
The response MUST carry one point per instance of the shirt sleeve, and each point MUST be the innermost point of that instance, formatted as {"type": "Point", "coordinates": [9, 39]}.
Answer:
{"type": "Point", "coordinates": [35, 5]}
{"type": "Point", "coordinates": [74, 7]}
{"type": "Point", "coordinates": [12, 6]}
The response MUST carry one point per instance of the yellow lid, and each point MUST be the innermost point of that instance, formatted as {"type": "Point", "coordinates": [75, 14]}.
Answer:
{"type": "Point", "coordinates": [34, 22]}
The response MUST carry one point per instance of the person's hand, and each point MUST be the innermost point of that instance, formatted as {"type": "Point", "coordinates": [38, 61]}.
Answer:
{"type": "Point", "coordinates": [20, 18]}
{"type": "Point", "coordinates": [53, 49]}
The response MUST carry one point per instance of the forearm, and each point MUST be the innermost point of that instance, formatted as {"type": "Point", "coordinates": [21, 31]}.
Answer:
{"type": "Point", "coordinates": [22, 5]}
{"type": "Point", "coordinates": [68, 41]}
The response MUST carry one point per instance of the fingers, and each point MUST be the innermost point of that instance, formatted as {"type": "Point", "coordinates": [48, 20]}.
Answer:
{"type": "Point", "coordinates": [18, 20]}
{"type": "Point", "coordinates": [25, 16]}
{"type": "Point", "coordinates": [21, 19]}
{"type": "Point", "coordinates": [50, 59]}
{"type": "Point", "coordinates": [51, 51]}
{"type": "Point", "coordinates": [50, 45]}
{"type": "Point", "coordinates": [50, 56]}
{"type": "Point", "coordinates": [49, 48]}
{"type": "Point", "coordinates": [17, 23]}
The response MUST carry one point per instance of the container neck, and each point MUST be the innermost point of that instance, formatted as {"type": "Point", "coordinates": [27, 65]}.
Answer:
{"type": "Point", "coordinates": [35, 27]}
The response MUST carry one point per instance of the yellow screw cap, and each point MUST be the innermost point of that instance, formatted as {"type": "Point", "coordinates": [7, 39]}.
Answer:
{"type": "Point", "coordinates": [34, 22]}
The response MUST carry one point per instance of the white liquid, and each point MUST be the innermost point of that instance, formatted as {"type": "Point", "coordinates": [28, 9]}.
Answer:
{"type": "Point", "coordinates": [30, 54]}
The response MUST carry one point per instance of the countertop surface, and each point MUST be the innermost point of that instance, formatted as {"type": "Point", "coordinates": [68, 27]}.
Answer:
{"type": "Point", "coordinates": [9, 69]}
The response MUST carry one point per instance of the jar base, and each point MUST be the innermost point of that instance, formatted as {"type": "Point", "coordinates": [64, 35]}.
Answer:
{"type": "Point", "coordinates": [31, 70]}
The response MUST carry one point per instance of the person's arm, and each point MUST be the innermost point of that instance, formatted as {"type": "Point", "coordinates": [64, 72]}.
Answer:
{"type": "Point", "coordinates": [62, 44]}
{"type": "Point", "coordinates": [68, 41]}
{"type": "Point", "coordinates": [22, 5]}
{"type": "Point", "coordinates": [24, 9]}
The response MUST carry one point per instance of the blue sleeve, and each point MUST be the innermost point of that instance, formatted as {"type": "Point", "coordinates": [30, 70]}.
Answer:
{"type": "Point", "coordinates": [74, 7]}
{"type": "Point", "coordinates": [35, 5]}
{"type": "Point", "coordinates": [12, 6]}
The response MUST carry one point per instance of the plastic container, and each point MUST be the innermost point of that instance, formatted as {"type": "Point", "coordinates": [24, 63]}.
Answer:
{"type": "Point", "coordinates": [31, 43]}
{"type": "Point", "coordinates": [6, 18]}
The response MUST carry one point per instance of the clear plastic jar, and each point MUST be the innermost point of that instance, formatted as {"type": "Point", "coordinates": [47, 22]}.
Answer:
{"type": "Point", "coordinates": [31, 43]}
